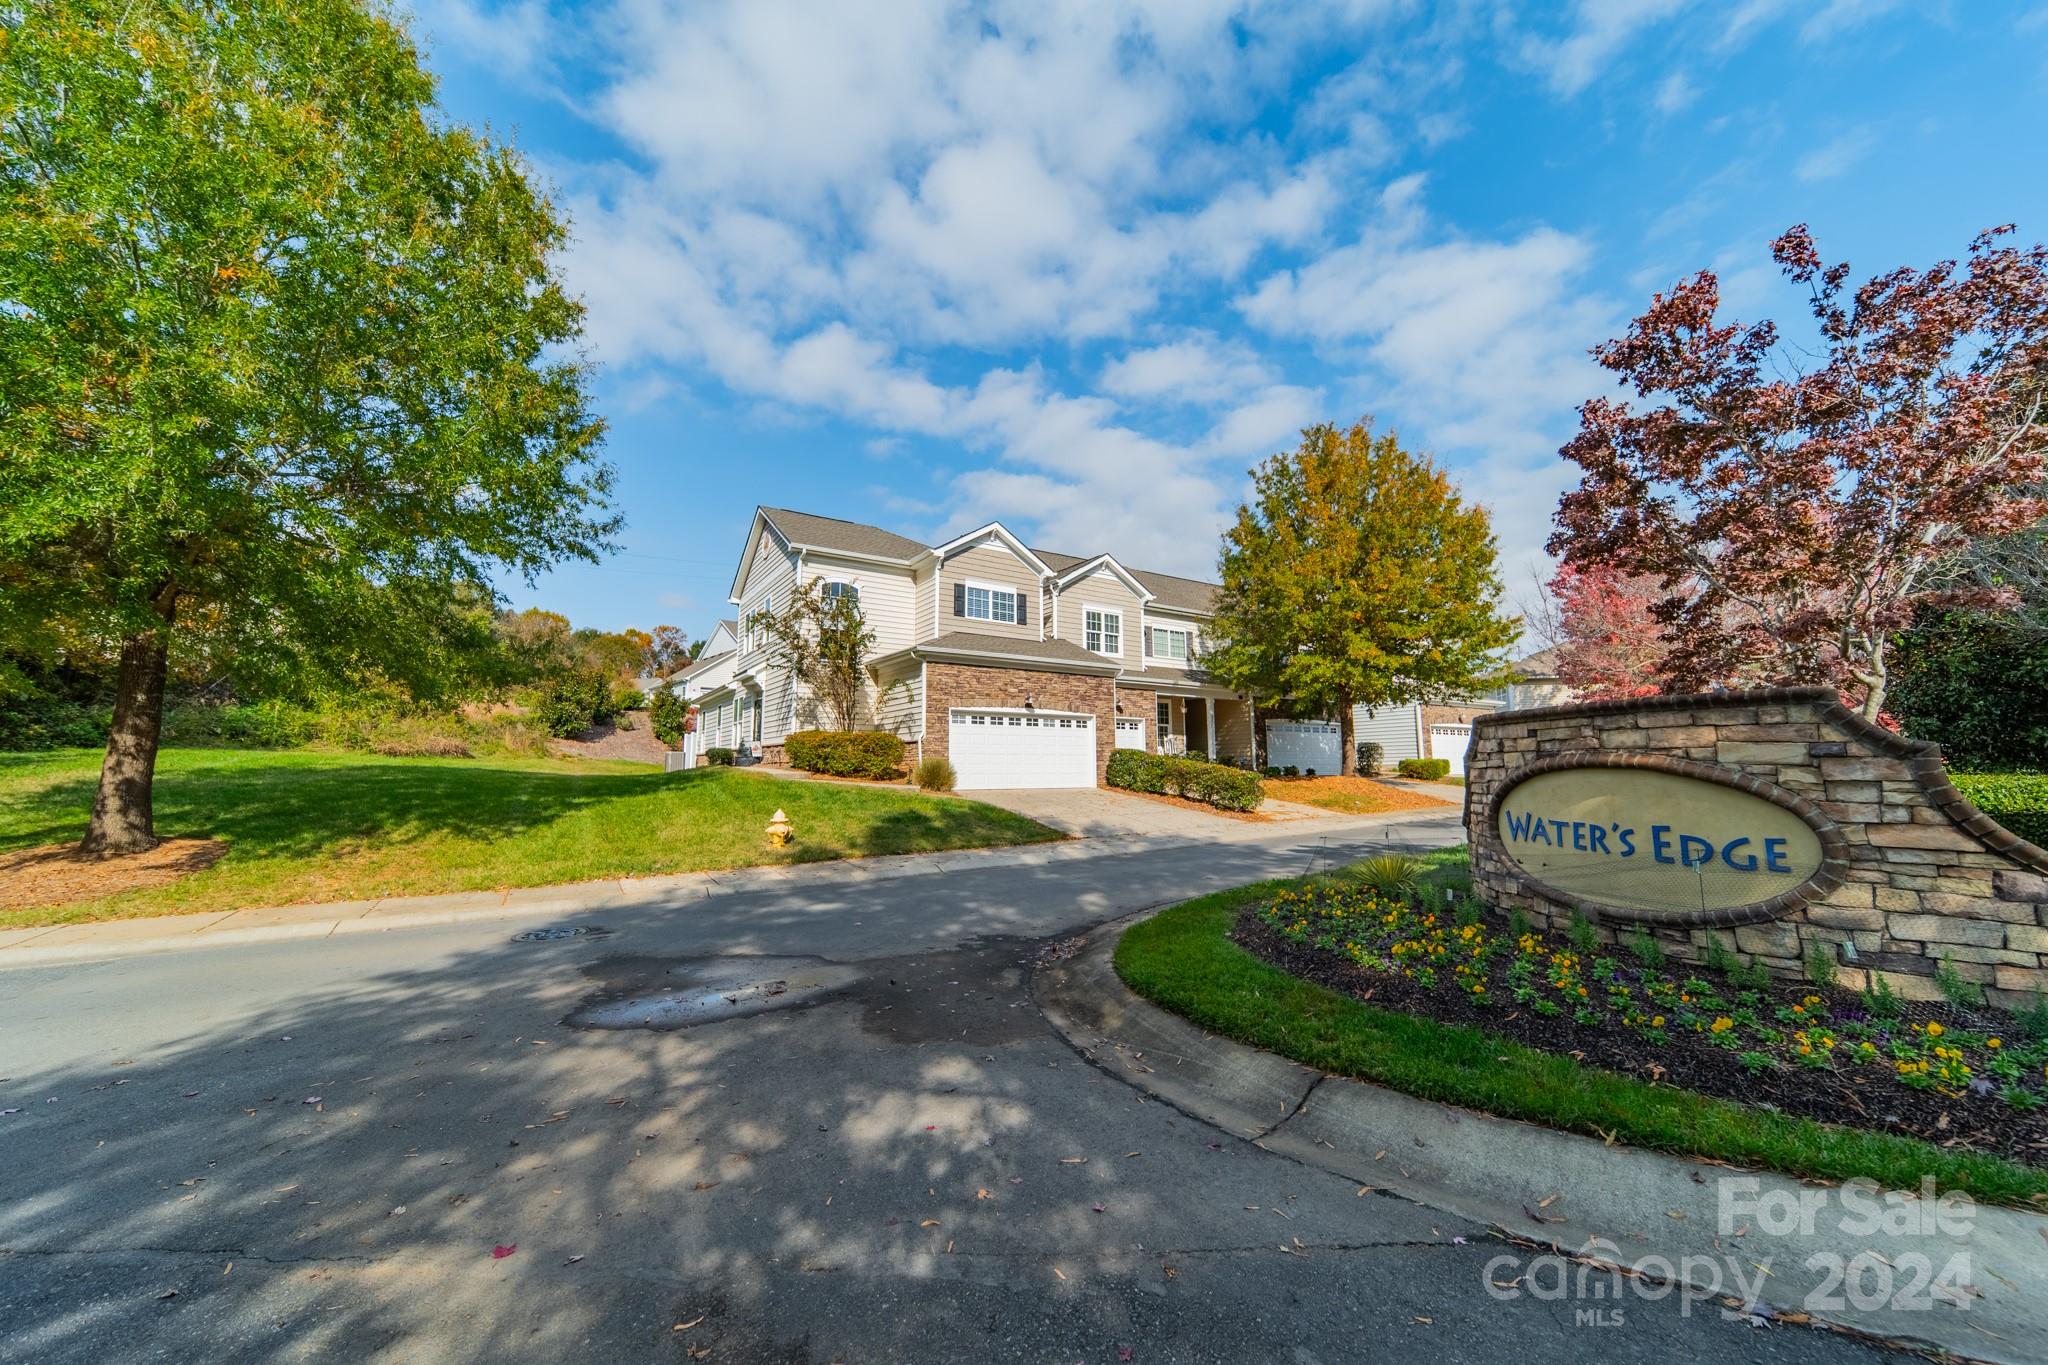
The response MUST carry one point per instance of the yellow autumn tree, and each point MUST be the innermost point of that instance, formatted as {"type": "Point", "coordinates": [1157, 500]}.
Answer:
{"type": "Point", "coordinates": [1357, 576]}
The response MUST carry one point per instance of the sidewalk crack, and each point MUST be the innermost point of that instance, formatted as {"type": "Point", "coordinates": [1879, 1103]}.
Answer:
{"type": "Point", "coordinates": [1299, 1105]}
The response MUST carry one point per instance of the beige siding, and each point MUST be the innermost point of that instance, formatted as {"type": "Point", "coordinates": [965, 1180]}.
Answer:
{"type": "Point", "coordinates": [921, 607]}
{"type": "Point", "coordinates": [900, 701]}
{"type": "Point", "coordinates": [1102, 589]}
{"type": "Point", "coordinates": [990, 562]}
{"type": "Point", "coordinates": [887, 598]}
{"type": "Point", "coordinates": [1234, 730]}
{"type": "Point", "coordinates": [1172, 621]}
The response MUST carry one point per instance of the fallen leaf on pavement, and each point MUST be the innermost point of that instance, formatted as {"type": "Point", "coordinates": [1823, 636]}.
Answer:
{"type": "Point", "coordinates": [686, 1326]}
{"type": "Point", "coordinates": [1073, 1161]}
{"type": "Point", "coordinates": [929, 1223]}
{"type": "Point", "coordinates": [501, 1251]}
{"type": "Point", "coordinates": [572, 1260]}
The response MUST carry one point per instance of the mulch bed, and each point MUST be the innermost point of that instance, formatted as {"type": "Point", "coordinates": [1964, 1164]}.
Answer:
{"type": "Point", "coordinates": [1354, 795]}
{"type": "Point", "coordinates": [1854, 1097]}
{"type": "Point", "coordinates": [55, 874]}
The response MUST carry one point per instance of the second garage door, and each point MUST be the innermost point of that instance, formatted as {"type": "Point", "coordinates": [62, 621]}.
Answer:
{"type": "Point", "coordinates": [1004, 748]}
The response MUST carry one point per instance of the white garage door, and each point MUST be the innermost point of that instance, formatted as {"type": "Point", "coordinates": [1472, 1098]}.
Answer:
{"type": "Point", "coordinates": [1304, 744]}
{"type": "Point", "coordinates": [1130, 734]}
{"type": "Point", "coordinates": [1021, 749]}
{"type": "Point", "coordinates": [1451, 741]}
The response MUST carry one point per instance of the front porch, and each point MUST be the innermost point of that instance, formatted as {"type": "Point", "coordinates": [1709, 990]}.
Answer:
{"type": "Point", "coordinates": [1203, 721]}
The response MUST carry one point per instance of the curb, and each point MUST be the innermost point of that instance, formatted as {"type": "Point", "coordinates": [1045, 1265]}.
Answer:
{"type": "Point", "coordinates": [106, 939]}
{"type": "Point", "coordinates": [1658, 1215]}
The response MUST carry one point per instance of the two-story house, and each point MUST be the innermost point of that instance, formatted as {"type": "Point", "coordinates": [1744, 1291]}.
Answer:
{"type": "Point", "coordinates": [1024, 667]}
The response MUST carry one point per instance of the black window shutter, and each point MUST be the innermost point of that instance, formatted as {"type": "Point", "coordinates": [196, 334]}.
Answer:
{"type": "Point", "coordinates": [1023, 611]}
{"type": "Point", "coordinates": [959, 599]}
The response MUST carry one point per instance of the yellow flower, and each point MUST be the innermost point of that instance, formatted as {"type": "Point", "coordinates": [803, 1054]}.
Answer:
{"type": "Point", "coordinates": [1993, 1042]}
{"type": "Point", "coordinates": [1722, 1024]}
{"type": "Point", "coordinates": [1935, 1030]}
{"type": "Point", "coordinates": [1658, 1022]}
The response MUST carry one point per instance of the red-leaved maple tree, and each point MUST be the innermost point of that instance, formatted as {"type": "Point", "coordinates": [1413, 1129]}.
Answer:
{"type": "Point", "coordinates": [1609, 642]}
{"type": "Point", "coordinates": [1794, 516]}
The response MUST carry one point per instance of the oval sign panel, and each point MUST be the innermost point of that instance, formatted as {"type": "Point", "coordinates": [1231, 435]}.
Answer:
{"type": "Point", "coordinates": [1650, 840]}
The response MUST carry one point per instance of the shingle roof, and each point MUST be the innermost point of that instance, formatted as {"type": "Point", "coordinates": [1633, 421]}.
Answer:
{"type": "Point", "coordinates": [830, 533]}
{"type": "Point", "coordinates": [1011, 647]}
{"type": "Point", "coordinates": [1169, 591]}
{"type": "Point", "coordinates": [1541, 664]}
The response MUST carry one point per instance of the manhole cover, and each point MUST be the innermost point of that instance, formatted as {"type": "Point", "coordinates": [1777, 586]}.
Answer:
{"type": "Point", "coordinates": [555, 931]}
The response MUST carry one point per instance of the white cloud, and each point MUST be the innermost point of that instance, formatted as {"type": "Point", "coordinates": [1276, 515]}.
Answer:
{"type": "Point", "coordinates": [1480, 346]}
{"type": "Point", "coordinates": [1601, 28]}
{"type": "Point", "coordinates": [1836, 156]}
{"type": "Point", "coordinates": [512, 39]}
{"type": "Point", "coordinates": [1201, 369]}
{"type": "Point", "coordinates": [1675, 92]}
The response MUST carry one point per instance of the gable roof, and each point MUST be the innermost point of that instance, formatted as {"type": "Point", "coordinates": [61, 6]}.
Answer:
{"type": "Point", "coordinates": [847, 537]}
{"type": "Point", "coordinates": [1170, 592]}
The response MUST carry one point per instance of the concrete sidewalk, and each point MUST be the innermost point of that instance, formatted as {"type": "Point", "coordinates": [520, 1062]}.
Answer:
{"type": "Point", "coordinates": [1971, 1280]}
{"type": "Point", "coordinates": [111, 938]}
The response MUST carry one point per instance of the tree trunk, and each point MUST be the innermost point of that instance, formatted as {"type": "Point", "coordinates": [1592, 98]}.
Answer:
{"type": "Point", "coordinates": [123, 813]}
{"type": "Point", "coordinates": [1347, 761]}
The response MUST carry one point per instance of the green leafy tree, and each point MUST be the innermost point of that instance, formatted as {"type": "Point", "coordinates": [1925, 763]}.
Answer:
{"type": "Point", "coordinates": [1357, 576]}
{"type": "Point", "coordinates": [283, 357]}
{"type": "Point", "coordinates": [823, 642]}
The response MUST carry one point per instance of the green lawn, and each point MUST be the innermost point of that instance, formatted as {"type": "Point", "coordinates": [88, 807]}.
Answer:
{"type": "Point", "coordinates": [1181, 959]}
{"type": "Point", "coordinates": [307, 826]}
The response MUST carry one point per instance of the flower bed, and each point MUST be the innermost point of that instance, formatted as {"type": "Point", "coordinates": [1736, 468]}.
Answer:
{"type": "Point", "coordinates": [1942, 1072]}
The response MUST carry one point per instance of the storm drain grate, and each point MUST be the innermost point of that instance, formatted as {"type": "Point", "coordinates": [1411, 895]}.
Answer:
{"type": "Point", "coordinates": [561, 931]}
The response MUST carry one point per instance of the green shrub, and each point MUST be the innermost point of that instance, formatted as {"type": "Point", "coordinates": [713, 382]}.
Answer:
{"type": "Point", "coordinates": [2019, 801]}
{"type": "Point", "coordinates": [1647, 950]}
{"type": "Point", "coordinates": [719, 757]}
{"type": "Point", "coordinates": [1975, 683]}
{"type": "Point", "coordinates": [1291, 771]}
{"type": "Point", "coordinates": [1137, 771]}
{"type": "Point", "coordinates": [668, 716]}
{"type": "Point", "coordinates": [1215, 784]}
{"type": "Point", "coordinates": [1820, 965]}
{"type": "Point", "coordinates": [934, 774]}
{"type": "Point", "coordinates": [845, 753]}
{"type": "Point", "coordinates": [1880, 999]}
{"type": "Point", "coordinates": [626, 697]}
{"type": "Point", "coordinates": [38, 720]}
{"type": "Point", "coordinates": [1425, 769]}
{"type": "Point", "coordinates": [1370, 757]}
{"type": "Point", "coordinates": [570, 703]}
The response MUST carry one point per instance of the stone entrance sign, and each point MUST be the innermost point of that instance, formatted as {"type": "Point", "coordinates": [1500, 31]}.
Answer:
{"type": "Point", "coordinates": [1778, 820]}
{"type": "Point", "coordinates": [1652, 841]}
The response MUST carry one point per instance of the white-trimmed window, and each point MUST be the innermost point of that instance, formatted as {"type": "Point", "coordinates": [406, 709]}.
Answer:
{"type": "Point", "coordinates": [985, 602]}
{"type": "Point", "coordinates": [1103, 630]}
{"type": "Point", "coordinates": [1169, 643]}
{"type": "Point", "coordinates": [1165, 716]}
{"type": "Point", "coordinates": [835, 589]}
{"type": "Point", "coordinates": [757, 634]}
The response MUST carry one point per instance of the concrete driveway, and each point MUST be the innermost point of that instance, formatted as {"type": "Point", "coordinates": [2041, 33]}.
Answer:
{"type": "Point", "coordinates": [1103, 813]}
{"type": "Point", "coordinates": [804, 1123]}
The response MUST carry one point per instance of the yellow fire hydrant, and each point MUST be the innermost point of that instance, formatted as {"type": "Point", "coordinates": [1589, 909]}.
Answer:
{"type": "Point", "coordinates": [780, 831]}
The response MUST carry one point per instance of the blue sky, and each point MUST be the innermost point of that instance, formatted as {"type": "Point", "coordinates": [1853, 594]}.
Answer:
{"type": "Point", "coordinates": [1078, 266]}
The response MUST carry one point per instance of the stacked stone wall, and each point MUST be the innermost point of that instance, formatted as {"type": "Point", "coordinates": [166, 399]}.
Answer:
{"type": "Point", "coordinates": [1914, 873]}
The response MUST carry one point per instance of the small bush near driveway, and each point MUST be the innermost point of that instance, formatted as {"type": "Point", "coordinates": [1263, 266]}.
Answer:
{"type": "Point", "coordinates": [1215, 784]}
{"type": "Point", "coordinates": [845, 753]}
{"type": "Point", "coordinates": [1425, 769]}
{"type": "Point", "coordinates": [934, 774]}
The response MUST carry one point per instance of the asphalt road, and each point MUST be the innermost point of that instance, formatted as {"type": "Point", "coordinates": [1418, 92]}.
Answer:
{"type": "Point", "coordinates": [319, 1149]}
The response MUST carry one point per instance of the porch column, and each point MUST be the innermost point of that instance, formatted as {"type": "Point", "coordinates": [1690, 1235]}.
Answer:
{"type": "Point", "coordinates": [1210, 703]}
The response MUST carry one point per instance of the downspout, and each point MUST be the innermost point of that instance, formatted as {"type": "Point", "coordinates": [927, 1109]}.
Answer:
{"type": "Point", "coordinates": [1421, 739]}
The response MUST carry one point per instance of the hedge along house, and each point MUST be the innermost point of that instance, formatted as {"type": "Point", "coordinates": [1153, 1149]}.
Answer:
{"type": "Point", "coordinates": [1026, 668]}
{"type": "Point", "coordinates": [1778, 821]}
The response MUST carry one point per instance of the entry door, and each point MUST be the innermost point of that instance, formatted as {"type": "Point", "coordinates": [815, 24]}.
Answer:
{"type": "Point", "coordinates": [1021, 749]}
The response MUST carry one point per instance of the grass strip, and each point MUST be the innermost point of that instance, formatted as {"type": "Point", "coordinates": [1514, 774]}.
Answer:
{"type": "Point", "coordinates": [1182, 960]}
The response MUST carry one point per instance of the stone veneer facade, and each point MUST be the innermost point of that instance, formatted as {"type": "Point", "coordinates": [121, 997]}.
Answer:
{"type": "Point", "coordinates": [1911, 871]}
{"type": "Point", "coordinates": [950, 685]}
